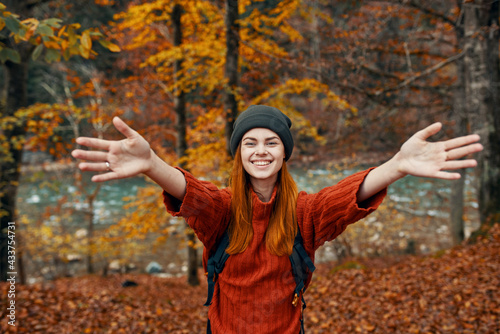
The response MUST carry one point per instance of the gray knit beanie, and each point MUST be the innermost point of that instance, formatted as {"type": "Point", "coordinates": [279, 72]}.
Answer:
{"type": "Point", "coordinates": [258, 116]}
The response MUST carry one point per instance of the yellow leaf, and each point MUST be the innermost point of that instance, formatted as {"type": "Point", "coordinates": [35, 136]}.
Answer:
{"type": "Point", "coordinates": [51, 45]}
{"type": "Point", "coordinates": [113, 47]}
{"type": "Point", "coordinates": [86, 40]}
{"type": "Point", "coordinates": [61, 31]}
{"type": "Point", "coordinates": [85, 53]}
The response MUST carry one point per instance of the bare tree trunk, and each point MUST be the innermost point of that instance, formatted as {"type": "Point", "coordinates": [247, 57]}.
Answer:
{"type": "Point", "coordinates": [90, 236]}
{"type": "Point", "coordinates": [15, 95]}
{"type": "Point", "coordinates": [460, 115]}
{"type": "Point", "coordinates": [231, 68]}
{"type": "Point", "coordinates": [20, 261]}
{"type": "Point", "coordinates": [489, 201]}
{"type": "Point", "coordinates": [457, 228]}
{"type": "Point", "coordinates": [181, 145]}
{"type": "Point", "coordinates": [481, 30]}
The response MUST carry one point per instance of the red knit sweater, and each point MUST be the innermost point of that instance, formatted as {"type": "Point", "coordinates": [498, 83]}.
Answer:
{"type": "Point", "coordinates": [254, 292]}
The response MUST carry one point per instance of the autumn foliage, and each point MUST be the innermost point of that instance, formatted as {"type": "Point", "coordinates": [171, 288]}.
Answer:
{"type": "Point", "coordinates": [353, 76]}
{"type": "Point", "coordinates": [454, 291]}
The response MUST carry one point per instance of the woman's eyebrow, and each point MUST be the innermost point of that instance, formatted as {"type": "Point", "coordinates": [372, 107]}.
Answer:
{"type": "Point", "coordinates": [267, 139]}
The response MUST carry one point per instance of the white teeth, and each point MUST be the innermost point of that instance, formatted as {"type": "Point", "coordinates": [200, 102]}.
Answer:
{"type": "Point", "coordinates": [261, 163]}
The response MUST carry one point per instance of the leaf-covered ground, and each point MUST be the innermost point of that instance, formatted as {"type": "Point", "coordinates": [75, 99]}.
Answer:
{"type": "Point", "coordinates": [456, 291]}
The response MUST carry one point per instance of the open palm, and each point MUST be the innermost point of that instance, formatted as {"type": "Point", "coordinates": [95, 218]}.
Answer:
{"type": "Point", "coordinates": [420, 157]}
{"type": "Point", "coordinates": [116, 158]}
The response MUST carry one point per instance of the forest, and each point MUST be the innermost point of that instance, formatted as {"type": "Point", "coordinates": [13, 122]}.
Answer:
{"type": "Point", "coordinates": [357, 78]}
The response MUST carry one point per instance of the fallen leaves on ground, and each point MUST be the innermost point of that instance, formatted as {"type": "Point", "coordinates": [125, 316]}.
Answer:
{"type": "Point", "coordinates": [95, 304]}
{"type": "Point", "coordinates": [456, 291]}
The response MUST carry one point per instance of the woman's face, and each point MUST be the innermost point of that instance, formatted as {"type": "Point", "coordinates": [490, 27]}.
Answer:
{"type": "Point", "coordinates": [262, 154]}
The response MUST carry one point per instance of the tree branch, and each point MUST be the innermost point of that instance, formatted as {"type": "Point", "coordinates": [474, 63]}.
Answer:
{"type": "Point", "coordinates": [417, 5]}
{"type": "Point", "coordinates": [308, 68]}
{"type": "Point", "coordinates": [379, 72]}
{"type": "Point", "coordinates": [427, 72]}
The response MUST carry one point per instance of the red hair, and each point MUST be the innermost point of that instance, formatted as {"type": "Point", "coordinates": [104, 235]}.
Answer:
{"type": "Point", "coordinates": [282, 228]}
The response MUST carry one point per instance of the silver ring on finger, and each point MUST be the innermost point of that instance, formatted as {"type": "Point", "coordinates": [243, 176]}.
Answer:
{"type": "Point", "coordinates": [108, 168]}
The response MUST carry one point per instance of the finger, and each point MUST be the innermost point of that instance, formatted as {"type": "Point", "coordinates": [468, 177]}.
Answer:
{"type": "Point", "coordinates": [429, 131]}
{"type": "Point", "coordinates": [459, 164]}
{"type": "Point", "coordinates": [461, 141]}
{"type": "Point", "coordinates": [447, 175]}
{"type": "Point", "coordinates": [460, 152]}
{"type": "Point", "coordinates": [105, 177]}
{"type": "Point", "coordinates": [124, 129]}
{"type": "Point", "coordinates": [99, 144]}
{"type": "Point", "coordinates": [89, 155]}
{"type": "Point", "coordinates": [93, 166]}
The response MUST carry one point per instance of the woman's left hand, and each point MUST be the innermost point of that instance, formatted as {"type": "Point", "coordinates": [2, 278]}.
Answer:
{"type": "Point", "coordinates": [419, 157]}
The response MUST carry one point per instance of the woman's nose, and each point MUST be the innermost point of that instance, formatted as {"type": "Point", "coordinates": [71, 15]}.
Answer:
{"type": "Point", "coordinates": [261, 150]}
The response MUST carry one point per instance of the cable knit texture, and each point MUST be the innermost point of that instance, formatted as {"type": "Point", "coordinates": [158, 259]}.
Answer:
{"type": "Point", "coordinates": [254, 292]}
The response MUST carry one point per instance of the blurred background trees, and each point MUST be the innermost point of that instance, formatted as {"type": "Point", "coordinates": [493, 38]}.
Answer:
{"type": "Point", "coordinates": [356, 78]}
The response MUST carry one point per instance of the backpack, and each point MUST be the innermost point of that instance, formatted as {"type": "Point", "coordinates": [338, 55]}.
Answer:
{"type": "Point", "coordinates": [302, 267]}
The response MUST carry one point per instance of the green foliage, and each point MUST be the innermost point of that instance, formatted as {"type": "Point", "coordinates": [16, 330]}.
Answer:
{"type": "Point", "coordinates": [48, 35]}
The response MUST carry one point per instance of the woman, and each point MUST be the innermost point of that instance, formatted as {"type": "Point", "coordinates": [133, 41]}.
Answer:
{"type": "Point", "coordinates": [262, 210]}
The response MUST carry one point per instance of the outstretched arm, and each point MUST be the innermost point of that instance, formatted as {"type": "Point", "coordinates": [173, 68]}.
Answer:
{"type": "Point", "coordinates": [419, 157]}
{"type": "Point", "coordinates": [127, 158]}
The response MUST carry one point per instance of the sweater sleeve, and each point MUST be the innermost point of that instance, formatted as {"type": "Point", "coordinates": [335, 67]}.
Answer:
{"type": "Point", "coordinates": [205, 207]}
{"type": "Point", "coordinates": [326, 214]}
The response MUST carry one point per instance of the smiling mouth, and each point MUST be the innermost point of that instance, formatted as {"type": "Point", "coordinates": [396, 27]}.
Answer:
{"type": "Point", "coordinates": [261, 163]}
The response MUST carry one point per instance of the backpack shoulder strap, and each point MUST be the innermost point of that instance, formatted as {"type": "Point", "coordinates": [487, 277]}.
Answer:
{"type": "Point", "coordinates": [302, 267]}
{"type": "Point", "coordinates": [215, 265]}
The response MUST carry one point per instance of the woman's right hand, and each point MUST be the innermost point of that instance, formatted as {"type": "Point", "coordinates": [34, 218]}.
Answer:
{"type": "Point", "coordinates": [116, 159]}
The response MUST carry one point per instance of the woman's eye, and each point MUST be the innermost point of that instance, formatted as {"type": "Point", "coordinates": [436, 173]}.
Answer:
{"type": "Point", "coordinates": [272, 143]}
{"type": "Point", "coordinates": [249, 144]}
